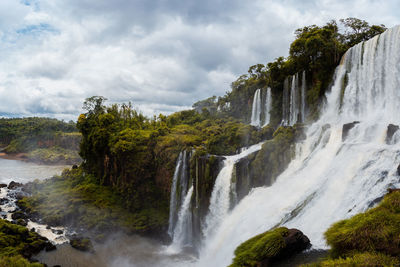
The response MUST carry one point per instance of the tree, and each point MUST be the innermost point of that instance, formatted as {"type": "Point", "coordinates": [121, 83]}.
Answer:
{"type": "Point", "coordinates": [358, 30]}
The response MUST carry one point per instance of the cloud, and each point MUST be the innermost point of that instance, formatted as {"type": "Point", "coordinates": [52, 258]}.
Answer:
{"type": "Point", "coordinates": [160, 55]}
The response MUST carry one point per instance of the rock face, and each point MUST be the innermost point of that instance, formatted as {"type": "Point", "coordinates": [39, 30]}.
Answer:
{"type": "Point", "coordinates": [14, 185]}
{"type": "Point", "coordinates": [391, 130]}
{"type": "Point", "coordinates": [270, 247]}
{"type": "Point", "coordinates": [347, 127]}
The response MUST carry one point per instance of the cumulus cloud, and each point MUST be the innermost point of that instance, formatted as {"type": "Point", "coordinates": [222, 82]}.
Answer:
{"type": "Point", "coordinates": [160, 55]}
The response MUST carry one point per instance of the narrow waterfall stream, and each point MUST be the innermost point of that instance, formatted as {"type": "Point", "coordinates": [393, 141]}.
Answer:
{"type": "Point", "coordinates": [256, 109]}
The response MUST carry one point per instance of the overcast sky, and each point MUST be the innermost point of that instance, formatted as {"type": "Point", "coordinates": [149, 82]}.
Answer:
{"type": "Point", "coordinates": [162, 55]}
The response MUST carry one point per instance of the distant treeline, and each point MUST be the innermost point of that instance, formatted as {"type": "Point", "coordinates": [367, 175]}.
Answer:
{"type": "Point", "coordinates": [25, 135]}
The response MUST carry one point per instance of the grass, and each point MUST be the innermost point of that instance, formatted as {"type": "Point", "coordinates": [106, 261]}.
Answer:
{"type": "Point", "coordinates": [377, 230]}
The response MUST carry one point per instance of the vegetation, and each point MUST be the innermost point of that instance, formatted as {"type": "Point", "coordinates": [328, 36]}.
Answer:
{"type": "Point", "coordinates": [17, 244]}
{"type": "Point", "coordinates": [360, 259]}
{"type": "Point", "coordinates": [377, 230]}
{"type": "Point", "coordinates": [75, 199]}
{"type": "Point", "coordinates": [43, 139]}
{"type": "Point", "coordinates": [260, 247]}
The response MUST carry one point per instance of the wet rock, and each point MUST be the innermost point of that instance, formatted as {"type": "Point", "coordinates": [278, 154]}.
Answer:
{"type": "Point", "coordinates": [21, 222]}
{"type": "Point", "coordinates": [4, 201]}
{"type": "Point", "coordinates": [398, 170]}
{"type": "Point", "coordinates": [270, 248]}
{"type": "Point", "coordinates": [391, 130]}
{"type": "Point", "coordinates": [391, 190]}
{"type": "Point", "coordinates": [347, 127]}
{"type": "Point", "coordinates": [50, 247]}
{"type": "Point", "coordinates": [48, 227]}
{"type": "Point", "coordinates": [74, 167]}
{"type": "Point", "coordinates": [82, 244]}
{"type": "Point", "coordinates": [3, 185]}
{"type": "Point", "coordinates": [14, 185]}
{"type": "Point", "coordinates": [57, 232]}
{"type": "Point", "coordinates": [18, 215]}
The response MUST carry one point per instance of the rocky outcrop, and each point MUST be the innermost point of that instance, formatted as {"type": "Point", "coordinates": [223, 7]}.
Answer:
{"type": "Point", "coordinates": [391, 130]}
{"type": "Point", "coordinates": [270, 247]}
{"type": "Point", "coordinates": [347, 127]}
{"type": "Point", "coordinates": [13, 185]}
{"type": "Point", "coordinates": [82, 244]}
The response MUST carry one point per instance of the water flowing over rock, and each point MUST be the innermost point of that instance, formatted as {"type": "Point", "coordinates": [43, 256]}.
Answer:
{"type": "Point", "coordinates": [179, 190]}
{"type": "Point", "coordinates": [329, 179]}
{"type": "Point", "coordinates": [268, 106]}
{"type": "Point", "coordinates": [294, 103]}
{"type": "Point", "coordinates": [224, 192]}
{"type": "Point", "coordinates": [256, 109]}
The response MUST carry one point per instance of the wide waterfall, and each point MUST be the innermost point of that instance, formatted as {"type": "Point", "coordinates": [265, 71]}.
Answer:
{"type": "Point", "coordinates": [256, 109]}
{"type": "Point", "coordinates": [332, 177]}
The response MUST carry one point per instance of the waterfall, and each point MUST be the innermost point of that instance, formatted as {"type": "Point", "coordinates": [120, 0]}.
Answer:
{"type": "Point", "coordinates": [330, 179]}
{"type": "Point", "coordinates": [303, 97]}
{"type": "Point", "coordinates": [294, 108]}
{"type": "Point", "coordinates": [268, 106]}
{"type": "Point", "coordinates": [183, 233]}
{"type": "Point", "coordinates": [220, 201]}
{"type": "Point", "coordinates": [285, 103]}
{"type": "Point", "coordinates": [256, 109]}
{"type": "Point", "coordinates": [172, 205]}
{"type": "Point", "coordinates": [180, 227]}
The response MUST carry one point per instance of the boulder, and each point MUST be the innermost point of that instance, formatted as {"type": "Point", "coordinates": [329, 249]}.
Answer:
{"type": "Point", "coordinates": [3, 185]}
{"type": "Point", "coordinates": [14, 185]}
{"type": "Point", "coordinates": [347, 127]}
{"type": "Point", "coordinates": [82, 244]}
{"type": "Point", "coordinates": [18, 215]}
{"type": "Point", "coordinates": [269, 248]}
{"type": "Point", "coordinates": [398, 170]}
{"type": "Point", "coordinates": [391, 130]}
{"type": "Point", "coordinates": [4, 201]}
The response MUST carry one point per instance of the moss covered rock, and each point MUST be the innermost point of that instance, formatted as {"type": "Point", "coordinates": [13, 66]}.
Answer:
{"type": "Point", "coordinates": [360, 259]}
{"type": "Point", "coordinates": [377, 230]}
{"type": "Point", "coordinates": [269, 247]}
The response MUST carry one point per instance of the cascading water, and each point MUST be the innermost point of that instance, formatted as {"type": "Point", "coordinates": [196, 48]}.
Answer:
{"type": "Point", "coordinates": [172, 205]}
{"type": "Point", "coordinates": [303, 97]}
{"type": "Point", "coordinates": [256, 109]}
{"type": "Point", "coordinates": [285, 103]}
{"type": "Point", "coordinates": [220, 201]}
{"type": "Point", "coordinates": [330, 179]}
{"type": "Point", "coordinates": [180, 222]}
{"type": "Point", "coordinates": [183, 232]}
{"type": "Point", "coordinates": [268, 105]}
{"type": "Point", "coordinates": [294, 101]}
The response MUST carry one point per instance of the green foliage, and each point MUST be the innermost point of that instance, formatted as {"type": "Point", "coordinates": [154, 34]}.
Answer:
{"type": "Point", "coordinates": [27, 134]}
{"type": "Point", "coordinates": [15, 241]}
{"type": "Point", "coordinates": [74, 199]}
{"type": "Point", "coordinates": [359, 259]}
{"type": "Point", "coordinates": [54, 155]}
{"type": "Point", "coordinates": [260, 247]}
{"type": "Point", "coordinates": [273, 157]}
{"type": "Point", "coordinates": [359, 30]}
{"type": "Point", "coordinates": [17, 261]}
{"type": "Point", "coordinates": [377, 230]}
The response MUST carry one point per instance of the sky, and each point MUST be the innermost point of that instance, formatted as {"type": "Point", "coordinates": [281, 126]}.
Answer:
{"type": "Point", "coordinates": [161, 55]}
